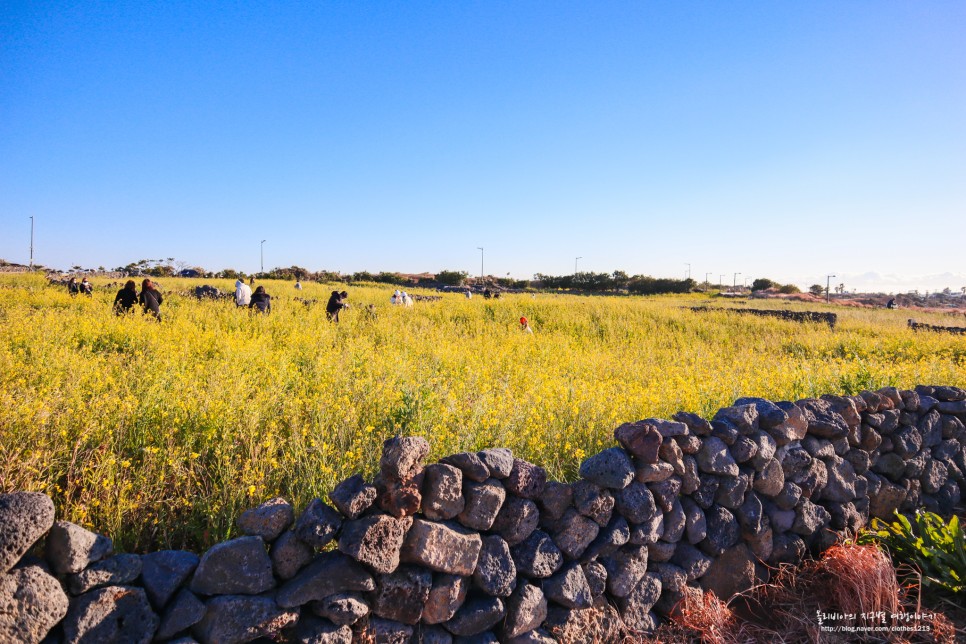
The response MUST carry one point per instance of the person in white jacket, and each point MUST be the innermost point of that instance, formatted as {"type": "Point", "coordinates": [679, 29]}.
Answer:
{"type": "Point", "coordinates": [243, 293]}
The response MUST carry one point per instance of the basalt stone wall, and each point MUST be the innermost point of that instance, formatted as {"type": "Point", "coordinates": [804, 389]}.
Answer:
{"type": "Point", "coordinates": [481, 547]}
{"type": "Point", "coordinates": [921, 326]}
{"type": "Point", "coordinates": [830, 319]}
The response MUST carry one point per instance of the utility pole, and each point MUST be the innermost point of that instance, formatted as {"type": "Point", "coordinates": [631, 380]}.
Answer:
{"type": "Point", "coordinates": [828, 283]}
{"type": "Point", "coordinates": [575, 265]}
{"type": "Point", "coordinates": [720, 281]}
{"type": "Point", "coordinates": [31, 242]}
{"type": "Point", "coordinates": [735, 285]}
{"type": "Point", "coordinates": [687, 275]}
{"type": "Point", "coordinates": [707, 281]}
{"type": "Point", "coordinates": [480, 248]}
{"type": "Point", "coordinates": [263, 255]}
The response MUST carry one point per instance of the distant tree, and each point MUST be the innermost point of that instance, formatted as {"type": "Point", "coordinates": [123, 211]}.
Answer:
{"type": "Point", "coordinates": [389, 278]}
{"type": "Point", "coordinates": [788, 289]}
{"type": "Point", "coordinates": [362, 276]}
{"type": "Point", "coordinates": [762, 283]}
{"type": "Point", "coordinates": [452, 278]}
{"type": "Point", "coordinates": [816, 289]}
{"type": "Point", "coordinates": [620, 279]}
{"type": "Point", "coordinates": [230, 273]}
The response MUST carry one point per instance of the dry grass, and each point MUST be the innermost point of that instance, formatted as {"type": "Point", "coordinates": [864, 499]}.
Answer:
{"type": "Point", "coordinates": [849, 580]}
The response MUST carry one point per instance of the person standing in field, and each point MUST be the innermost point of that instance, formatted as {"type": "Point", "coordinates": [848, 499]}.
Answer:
{"type": "Point", "coordinates": [73, 287]}
{"type": "Point", "coordinates": [150, 299]}
{"type": "Point", "coordinates": [243, 293]}
{"type": "Point", "coordinates": [126, 298]}
{"type": "Point", "coordinates": [86, 287]}
{"type": "Point", "coordinates": [525, 325]}
{"type": "Point", "coordinates": [337, 302]}
{"type": "Point", "coordinates": [261, 301]}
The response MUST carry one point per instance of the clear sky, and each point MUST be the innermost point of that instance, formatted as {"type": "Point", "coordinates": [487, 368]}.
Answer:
{"type": "Point", "coordinates": [781, 139]}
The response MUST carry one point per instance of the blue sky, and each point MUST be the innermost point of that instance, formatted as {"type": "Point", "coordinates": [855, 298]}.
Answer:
{"type": "Point", "coordinates": [778, 139]}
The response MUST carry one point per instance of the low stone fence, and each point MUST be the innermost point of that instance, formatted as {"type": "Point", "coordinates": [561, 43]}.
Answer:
{"type": "Point", "coordinates": [921, 326]}
{"type": "Point", "coordinates": [830, 319]}
{"type": "Point", "coordinates": [481, 547]}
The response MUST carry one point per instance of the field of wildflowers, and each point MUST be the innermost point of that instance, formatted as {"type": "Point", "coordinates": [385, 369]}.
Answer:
{"type": "Point", "coordinates": [160, 434]}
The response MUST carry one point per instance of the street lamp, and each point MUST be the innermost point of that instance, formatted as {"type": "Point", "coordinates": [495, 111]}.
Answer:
{"type": "Point", "coordinates": [734, 286]}
{"type": "Point", "coordinates": [746, 281]}
{"type": "Point", "coordinates": [707, 280]}
{"type": "Point", "coordinates": [480, 248]}
{"type": "Point", "coordinates": [575, 264]}
{"type": "Point", "coordinates": [687, 275]}
{"type": "Point", "coordinates": [263, 255]}
{"type": "Point", "coordinates": [31, 242]}
{"type": "Point", "coordinates": [720, 281]}
{"type": "Point", "coordinates": [828, 282]}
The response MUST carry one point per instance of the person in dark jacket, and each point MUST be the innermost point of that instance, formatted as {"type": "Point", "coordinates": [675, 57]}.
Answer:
{"type": "Point", "coordinates": [261, 301]}
{"type": "Point", "coordinates": [126, 298]}
{"type": "Point", "coordinates": [72, 286]}
{"type": "Point", "coordinates": [337, 302]}
{"type": "Point", "coordinates": [150, 299]}
{"type": "Point", "coordinates": [86, 287]}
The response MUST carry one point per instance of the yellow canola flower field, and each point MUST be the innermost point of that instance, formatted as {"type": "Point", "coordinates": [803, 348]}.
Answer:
{"type": "Point", "coordinates": [159, 435]}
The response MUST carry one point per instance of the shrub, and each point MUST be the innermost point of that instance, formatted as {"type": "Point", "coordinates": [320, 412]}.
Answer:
{"type": "Point", "coordinates": [452, 278]}
{"type": "Point", "coordinates": [936, 548]}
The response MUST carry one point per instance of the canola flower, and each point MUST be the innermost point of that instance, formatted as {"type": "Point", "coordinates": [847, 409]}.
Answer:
{"type": "Point", "coordinates": [161, 434]}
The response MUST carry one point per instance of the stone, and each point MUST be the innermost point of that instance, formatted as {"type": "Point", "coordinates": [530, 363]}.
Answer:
{"type": "Point", "coordinates": [446, 596]}
{"type": "Point", "coordinates": [537, 556]}
{"type": "Point", "coordinates": [743, 449]}
{"type": "Point", "coordinates": [495, 572]}
{"type": "Point", "coordinates": [675, 523]}
{"type": "Point", "coordinates": [714, 458]}
{"type": "Point", "coordinates": [673, 578]}
{"type": "Point", "coordinates": [185, 611]}
{"type": "Point", "coordinates": [536, 636]}
{"type": "Point", "coordinates": [793, 458]}
{"type": "Point", "coordinates": [625, 568]}
{"type": "Point", "coordinates": [575, 533]}
{"type": "Point", "coordinates": [387, 631]}
{"type": "Point", "coordinates": [516, 520]}
{"type": "Point", "coordinates": [761, 544]}
{"type": "Point", "coordinates": [70, 548]}
{"type": "Point", "coordinates": [660, 551]}
{"type": "Point", "coordinates": [596, 576]}
{"type": "Point", "coordinates": [793, 429]}
{"type": "Point", "coordinates": [241, 618]}
{"type": "Point", "coordinates": [689, 444]}
{"type": "Point", "coordinates": [692, 561]}
{"type": "Point", "coordinates": [113, 571]}
{"type": "Point", "coordinates": [695, 424]}
{"type": "Point", "coordinates": [499, 460]}
{"type": "Point", "coordinates": [640, 439]}
{"type": "Point", "coordinates": [353, 496]}
{"type": "Point", "coordinates": [476, 616]}
{"type": "Point", "coordinates": [399, 498]}
{"type": "Point", "coordinates": [751, 516]}
{"type": "Point", "coordinates": [635, 503]}
{"type": "Point", "coordinates": [568, 587]}
{"type": "Point", "coordinates": [812, 478]}
{"type": "Point", "coordinates": [312, 630]}
{"type": "Point", "coordinates": [840, 486]}
{"type": "Point", "coordinates": [555, 500]}
{"type": "Point", "coordinates": [470, 463]}
{"type": "Point", "coordinates": [844, 407]}
{"type": "Point", "coordinates": [723, 531]}
{"type": "Point", "coordinates": [744, 418]}
{"type": "Point", "coordinates": [268, 520]}
{"type": "Point", "coordinates": [654, 472]}
{"type": "Point", "coordinates": [375, 540]}
{"type": "Point", "coordinates": [724, 431]}
{"type": "Point", "coordinates": [671, 454]}
{"type": "Point", "coordinates": [907, 442]}
{"type": "Point", "coordinates": [667, 428]}
{"type": "Point", "coordinates": [611, 468]}
{"type": "Point", "coordinates": [609, 539]}
{"type": "Point", "coordinates": [635, 607]}
{"type": "Point", "coordinates": [593, 501]}
{"type": "Point", "coordinates": [318, 525]}
{"type": "Point", "coordinates": [707, 491]}
{"type": "Point", "coordinates": [644, 534]}
{"type": "Point", "coordinates": [731, 491]}
{"type": "Point", "coordinates": [788, 549]}
{"type": "Point", "coordinates": [809, 518]}
{"type": "Point", "coordinates": [237, 567]}
{"type": "Point", "coordinates": [442, 492]}
{"type": "Point", "coordinates": [329, 573]}
{"type": "Point", "coordinates": [771, 479]}
{"type": "Point", "coordinates": [583, 625]}
{"type": "Point", "coordinates": [765, 452]}
{"type": "Point", "coordinates": [25, 517]}
{"type": "Point", "coordinates": [342, 609]}
{"type": "Point", "coordinates": [164, 571]}
{"type": "Point", "coordinates": [823, 420]}
{"type": "Point", "coordinates": [442, 547]}
{"type": "Point", "coordinates": [845, 516]}
{"type": "Point", "coordinates": [769, 414]}
{"type": "Point", "coordinates": [111, 614]}
{"type": "Point", "coordinates": [934, 478]}
{"type": "Point", "coordinates": [890, 465]}
{"type": "Point", "coordinates": [400, 596]}
{"type": "Point", "coordinates": [402, 457]}
{"type": "Point", "coordinates": [526, 480]}
{"type": "Point", "coordinates": [695, 525]}
{"type": "Point", "coordinates": [665, 492]}
{"type": "Point", "coordinates": [526, 610]}
{"type": "Point", "coordinates": [31, 601]}
{"type": "Point", "coordinates": [730, 573]}
{"type": "Point", "coordinates": [482, 503]}
{"type": "Point", "coordinates": [690, 480]}
{"type": "Point", "coordinates": [289, 555]}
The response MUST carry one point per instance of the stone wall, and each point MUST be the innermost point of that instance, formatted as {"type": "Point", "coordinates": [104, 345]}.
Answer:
{"type": "Point", "coordinates": [921, 326]}
{"type": "Point", "coordinates": [830, 319]}
{"type": "Point", "coordinates": [481, 547]}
